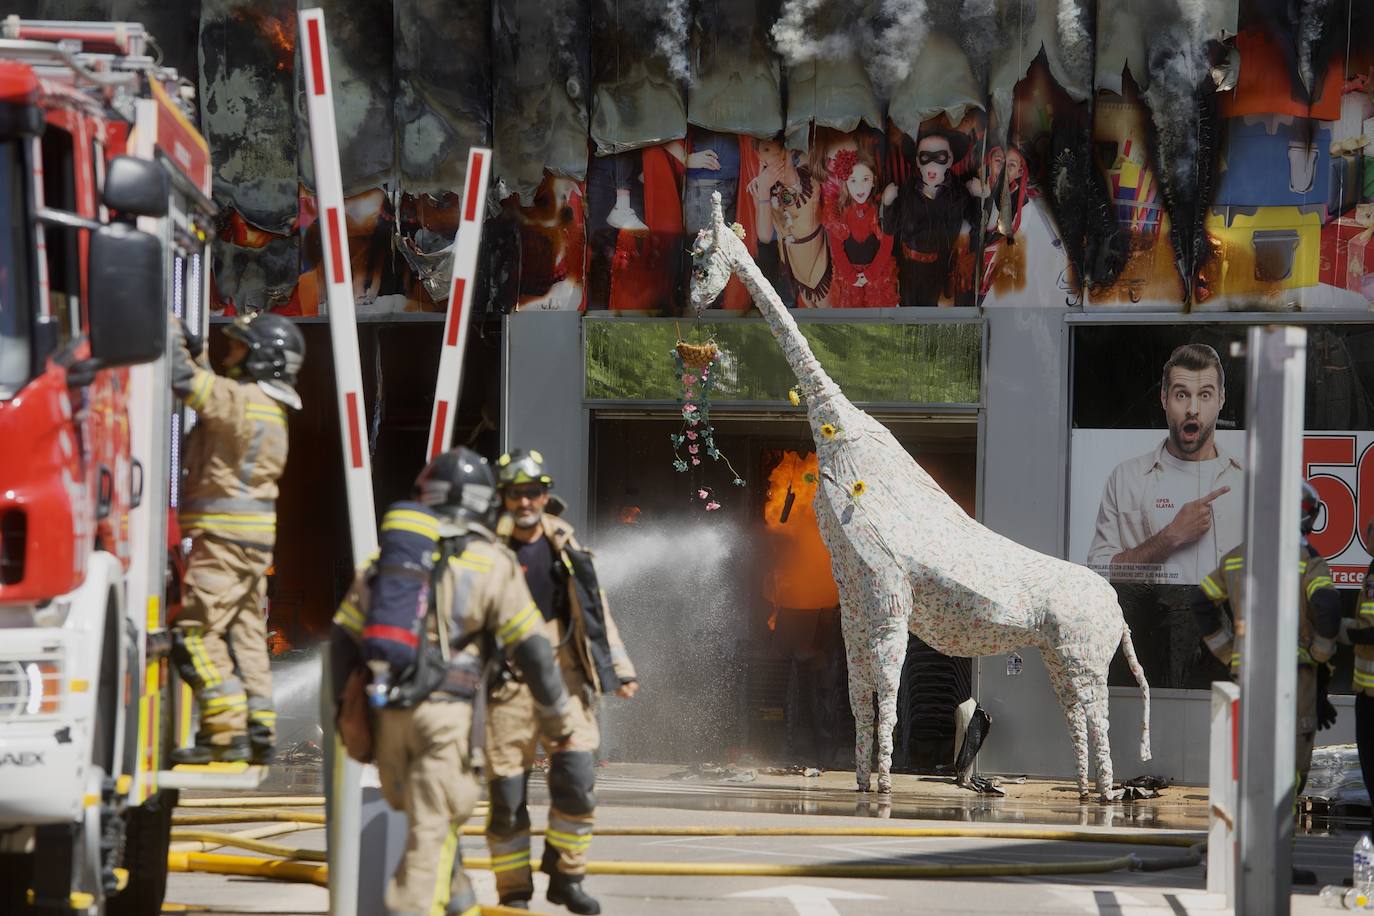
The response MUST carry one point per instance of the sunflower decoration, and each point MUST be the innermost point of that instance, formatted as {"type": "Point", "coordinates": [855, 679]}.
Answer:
{"type": "Point", "coordinates": [794, 396]}
{"type": "Point", "coordinates": [829, 431]}
{"type": "Point", "coordinates": [695, 441]}
{"type": "Point", "coordinates": [857, 489]}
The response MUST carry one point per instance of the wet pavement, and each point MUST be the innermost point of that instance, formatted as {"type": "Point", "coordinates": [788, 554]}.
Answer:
{"type": "Point", "coordinates": [639, 796]}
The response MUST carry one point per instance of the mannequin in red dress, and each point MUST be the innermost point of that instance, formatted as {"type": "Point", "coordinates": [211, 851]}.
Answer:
{"type": "Point", "coordinates": [865, 270]}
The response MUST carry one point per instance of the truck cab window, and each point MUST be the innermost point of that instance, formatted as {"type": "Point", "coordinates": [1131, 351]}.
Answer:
{"type": "Point", "coordinates": [63, 245]}
{"type": "Point", "coordinates": [16, 253]}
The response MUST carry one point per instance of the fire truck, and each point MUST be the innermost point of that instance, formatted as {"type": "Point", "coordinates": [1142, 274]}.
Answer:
{"type": "Point", "coordinates": [106, 184]}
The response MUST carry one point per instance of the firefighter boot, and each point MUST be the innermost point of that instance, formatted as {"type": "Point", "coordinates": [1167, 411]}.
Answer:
{"type": "Point", "coordinates": [566, 890]}
{"type": "Point", "coordinates": [204, 752]}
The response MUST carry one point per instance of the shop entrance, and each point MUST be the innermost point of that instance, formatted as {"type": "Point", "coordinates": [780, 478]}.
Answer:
{"type": "Point", "coordinates": [726, 600]}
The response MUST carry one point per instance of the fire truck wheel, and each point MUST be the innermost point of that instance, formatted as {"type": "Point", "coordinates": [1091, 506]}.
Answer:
{"type": "Point", "coordinates": [148, 834]}
{"type": "Point", "coordinates": [15, 875]}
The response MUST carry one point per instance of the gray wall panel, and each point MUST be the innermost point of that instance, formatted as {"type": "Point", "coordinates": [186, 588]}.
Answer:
{"type": "Point", "coordinates": [542, 408]}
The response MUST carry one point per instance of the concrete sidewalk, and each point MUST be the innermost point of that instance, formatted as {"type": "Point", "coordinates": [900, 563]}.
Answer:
{"type": "Point", "coordinates": [641, 796]}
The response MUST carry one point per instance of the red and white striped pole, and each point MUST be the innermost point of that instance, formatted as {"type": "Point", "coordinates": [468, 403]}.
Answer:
{"type": "Point", "coordinates": [345, 809]}
{"type": "Point", "coordinates": [465, 247]}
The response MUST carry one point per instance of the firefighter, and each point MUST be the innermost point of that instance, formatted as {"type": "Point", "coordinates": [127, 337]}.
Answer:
{"type": "Point", "coordinates": [234, 457]}
{"type": "Point", "coordinates": [1319, 623]}
{"type": "Point", "coordinates": [1360, 632]}
{"type": "Point", "coordinates": [576, 619]}
{"type": "Point", "coordinates": [423, 749]}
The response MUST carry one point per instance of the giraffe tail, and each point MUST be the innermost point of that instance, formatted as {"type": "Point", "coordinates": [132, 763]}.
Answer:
{"type": "Point", "coordinates": [1128, 648]}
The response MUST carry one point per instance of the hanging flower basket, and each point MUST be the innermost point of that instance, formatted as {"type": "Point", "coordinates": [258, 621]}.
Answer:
{"type": "Point", "coordinates": [697, 356]}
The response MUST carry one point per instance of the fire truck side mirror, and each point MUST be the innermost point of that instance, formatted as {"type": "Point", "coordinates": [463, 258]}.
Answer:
{"type": "Point", "coordinates": [136, 187]}
{"type": "Point", "coordinates": [128, 304]}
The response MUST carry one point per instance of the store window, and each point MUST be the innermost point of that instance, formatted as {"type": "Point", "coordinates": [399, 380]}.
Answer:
{"type": "Point", "coordinates": [1158, 475]}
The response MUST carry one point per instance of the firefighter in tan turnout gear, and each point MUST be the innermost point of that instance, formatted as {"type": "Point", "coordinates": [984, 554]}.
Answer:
{"type": "Point", "coordinates": [576, 620]}
{"type": "Point", "coordinates": [234, 457]}
{"type": "Point", "coordinates": [1319, 623]}
{"type": "Point", "coordinates": [478, 605]}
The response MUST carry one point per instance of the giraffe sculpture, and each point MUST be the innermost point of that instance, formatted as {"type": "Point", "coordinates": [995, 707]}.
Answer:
{"type": "Point", "coordinates": [907, 558]}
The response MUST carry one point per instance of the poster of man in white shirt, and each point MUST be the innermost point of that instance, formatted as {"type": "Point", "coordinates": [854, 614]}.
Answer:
{"type": "Point", "coordinates": [1168, 514]}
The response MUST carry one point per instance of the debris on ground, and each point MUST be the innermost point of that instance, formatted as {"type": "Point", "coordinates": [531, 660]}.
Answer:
{"type": "Point", "coordinates": [1148, 782]}
{"type": "Point", "coordinates": [795, 769]}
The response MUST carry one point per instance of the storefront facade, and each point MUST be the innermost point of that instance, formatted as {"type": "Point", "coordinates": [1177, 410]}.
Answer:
{"type": "Point", "coordinates": [1030, 445]}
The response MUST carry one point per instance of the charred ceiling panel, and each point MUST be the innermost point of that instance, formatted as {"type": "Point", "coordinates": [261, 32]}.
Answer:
{"type": "Point", "coordinates": [940, 81]}
{"type": "Point", "coordinates": [443, 90]}
{"type": "Point", "coordinates": [247, 93]}
{"type": "Point", "coordinates": [542, 73]}
{"type": "Point", "coordinates": [253, 279]}
{"type": "Point", "coordinates": [1025, 28]}
{"type": "Point", "coordinates": [1124, 28]}
{"type": "Point", "coordinates": [736, 78]}
{"type": "Point", "coordinates": [827, 83]}
{"type": "Point", "coordinates": [360, 50]}
{"type": "Point", "coordinates": [639, 59]}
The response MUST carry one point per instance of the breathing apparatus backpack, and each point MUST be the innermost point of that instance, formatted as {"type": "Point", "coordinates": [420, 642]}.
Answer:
{"type": "Point", "coordinates": [402, 585]}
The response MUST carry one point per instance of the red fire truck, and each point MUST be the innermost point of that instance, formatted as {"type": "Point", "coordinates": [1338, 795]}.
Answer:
{"type": "Point", "coordinates": [105, 185]}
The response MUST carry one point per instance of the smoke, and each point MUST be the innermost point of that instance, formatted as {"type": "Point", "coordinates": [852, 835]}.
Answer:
{"type": "Point", "coordinates": [672, 40]}
{"type": "Point", "coordinates": [1076, 40]}
{"type": "Point", "coordinates": [902, 34]}
{"type": "Point", "coordinates": [679, 600]}
{"type": "Point", "coordinates": [1181, 101]}
{"type": "Point", "coordinates": [799, 40]}
{"type": "Point", "coordinates": [978, 33]}
{"type": "Point", "coordinates": [1312, 24]}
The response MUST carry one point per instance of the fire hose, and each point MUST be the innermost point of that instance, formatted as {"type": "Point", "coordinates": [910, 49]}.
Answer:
{"type": "Point", "coordinates": [295, 864]}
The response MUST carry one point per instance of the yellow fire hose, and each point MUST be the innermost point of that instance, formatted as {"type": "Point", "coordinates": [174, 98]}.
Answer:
{"type": "Point", "coordinates": [246, 817]}
{"type": "Point", "coordinates": [255, 801]}
{"type": "Point", "coordinates": [291, 866]}
{"type": "Point", "coordinates": [257, 833]}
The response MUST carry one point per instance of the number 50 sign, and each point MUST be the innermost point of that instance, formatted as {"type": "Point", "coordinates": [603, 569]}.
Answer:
{"type": "Point", "coordinates": [1340, 466]}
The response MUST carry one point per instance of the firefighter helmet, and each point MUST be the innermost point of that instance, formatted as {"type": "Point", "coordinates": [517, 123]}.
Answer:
{"type": "Point", "coordinates": [522, 466]}
{"type": "Point", "coordinates": [460, 484]}
{"type": "Point", "coordinates": [1311, 506]}
{"type": "Point", "coordinates": [276, 349]}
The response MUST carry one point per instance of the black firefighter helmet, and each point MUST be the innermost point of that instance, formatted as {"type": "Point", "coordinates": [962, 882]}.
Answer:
{"type": "Point", "coordinates": [1311, 506]}
{"type": "Point", "coordinates": [460, 485]}
{"type": "Point", "coordinates": [521, 466]}
{"type": "Point", "coordinates": [276, 348]}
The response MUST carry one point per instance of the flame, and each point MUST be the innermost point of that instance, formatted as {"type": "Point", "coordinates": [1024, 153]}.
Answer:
{"type": "Point", "coordinates": [800, 577]}
{"type": "Point", "coordinates": [280, 34]}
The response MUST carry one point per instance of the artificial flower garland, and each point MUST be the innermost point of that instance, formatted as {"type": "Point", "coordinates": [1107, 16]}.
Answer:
{"type": "Point", "coordinates": [697, 435]}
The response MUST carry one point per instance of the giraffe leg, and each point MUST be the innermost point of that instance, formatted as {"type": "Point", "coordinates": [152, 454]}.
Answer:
{"type": "Point", "coordinates": [890, 651]}
{"type": "Point", "coordinates": [1074, 714]}
{"type": "Point", "coordinates": [1095, 689]}
{"type": "Point", "coordinates": [859, 656]}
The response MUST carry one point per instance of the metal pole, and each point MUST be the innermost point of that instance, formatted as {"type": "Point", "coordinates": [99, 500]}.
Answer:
{"type": "Point", "coordinates": [464, 281]}
{"type": "Point", "coordinates": [1268, 640]}
{"type": "Point", "coordinates": [343, 776]}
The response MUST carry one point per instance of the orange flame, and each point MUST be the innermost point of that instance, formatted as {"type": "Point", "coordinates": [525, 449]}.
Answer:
{"type": "Point", "coordinates": [800, 577]}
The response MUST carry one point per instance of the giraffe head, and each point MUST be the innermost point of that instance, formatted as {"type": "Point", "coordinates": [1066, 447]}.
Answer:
{"type": "Point", "coordinates": [715, 254]}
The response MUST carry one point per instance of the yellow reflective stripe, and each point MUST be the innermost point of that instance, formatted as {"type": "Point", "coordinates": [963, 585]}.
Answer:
{"type": "Point", "coordinates": [1367, 608]}
{"type": "Point", "coordinates": [517, 626]}
{"type": "Point", "coordinates": [522, 860]}
{"type": "Point", "coordinates": [393, 525]}
{"type": "Point", "coordinates": [1211, 589]}
{"type": "Point", "coordinates": [1305, 657]}
{"type": "Point", "coordinates": [263, 715]}
{"type": "Point", "coordinates": [266, 412]}
{"type": "Point", "coordinates": [444, 876]}
{"type": "Point", "coordinates": [1363, 679]}
{"type": "Point", "coordinates": [349, 617]}
{"type": "Point", "coordinates": [521, 856]}
{"type": "Point", "coordinates": [410, 520]}
{"type": "Point", "coordinates": [570, 841]}
{"type": "Point", "coordinates": [475, 559]}
{"type": "Point", "coordinates": [200, 389]}
{"type": "Point", "coordinates": [215, 704]}
{"type": "Point", "coordinates": [235, 519]}
{"type": "Point", "coordinates": [1317, 583]}
{"type": "Point", "coordinates": [1234, 563]}
{"type": "Point", "coordinates": [200, 660]}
